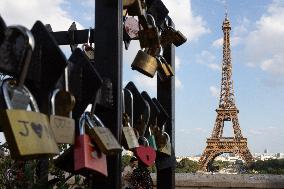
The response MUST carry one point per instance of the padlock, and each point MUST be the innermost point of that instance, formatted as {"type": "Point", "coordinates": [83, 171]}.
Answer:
{"type": "Point", "coordinates": [129, 139]}
{"type": "Point", "coordinates": [64, 103]}
{"type": "Point", "coordinates": [167, 148]}
{"type": "Point", "coordinates": [145, 64]}
{"type": "Point", "coordinates": [102, 136]}
{"type": "Point", "coordinates": [152, 140]}
{"type": "Point", "coordinates": [135, 8]}
{"type": "Point", "coordinates": [145, 153]}
{"type": "Point", "coordinates": [88, 49]}
{"type": "Point", "coordinates": [149, 36]}
{"type": "Point", "coordinates": [168, 66]}
{"type": "Point", "coordinates": [16, 51]}
{"type": "Point", "coordinates": [161, 139]}
{"type": "Point", "coordinates": [163, 71]}
{"type": "Point", "coordinates": [129, 134]}
{"type": "Point", "coordinates": [63, 127]}
{"type": "Point", "coordinates": [169, 35]}
{"type": "Point", "coordinates": [28, 133]}
{"type": "Point", "coordinates": [158, 10]}
{"type": "Point", "coordinates": [131, 28]}
{"type": "Point", "coordinates": [87, 157]}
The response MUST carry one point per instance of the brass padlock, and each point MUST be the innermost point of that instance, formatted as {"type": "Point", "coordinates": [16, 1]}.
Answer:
{"type": "Point", "coordinates": [129, 134]}
{"type": "Point", "coordinates": [168, 66]}
{"type": "Point", "coordinates": [134, 8]}
{"type": "Point", "coordinates": [63, 127]}
{"type": "Point", "coordinates": [161, 139]}
{"type": "Point", "coordinates": [149, 35]}
{"type": "Point", "coordinates": [145, 64]}
{"type": "Point", "coordinates": [166, 149]}
{"type": "Point", "coordinates": [169, 35]}
{"type": "Point", "coordinates": [102, 136]}
{"type": "Point", "coordinates": [129, 140]}
{"type": "Point", "coordinates": [88, 49]}
{"type": "Point", "coordinates": [163, 71]}
{"type": "Point", "coordinates": [27, 132]}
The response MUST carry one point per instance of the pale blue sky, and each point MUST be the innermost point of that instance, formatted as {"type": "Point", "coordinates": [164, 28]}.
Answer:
{"type": "Point", "coordinates": [257, 53]}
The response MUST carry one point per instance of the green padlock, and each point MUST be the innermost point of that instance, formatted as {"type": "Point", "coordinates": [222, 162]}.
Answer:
{"type": "Point", "coordinates": [152, 140]}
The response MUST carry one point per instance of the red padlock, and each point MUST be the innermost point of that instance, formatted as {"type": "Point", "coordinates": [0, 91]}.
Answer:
{"type": "Point", "coordinates": [87, 158]}
{"type": "Point", "coordinates": [146, 154]}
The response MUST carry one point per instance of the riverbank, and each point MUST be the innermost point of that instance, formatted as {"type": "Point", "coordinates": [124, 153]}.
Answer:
{"type": "Point", "coordinates": [223, 181]}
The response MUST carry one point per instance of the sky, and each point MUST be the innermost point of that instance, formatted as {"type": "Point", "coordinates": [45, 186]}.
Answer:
{"type": "Point", "coordinates": [257, 47]}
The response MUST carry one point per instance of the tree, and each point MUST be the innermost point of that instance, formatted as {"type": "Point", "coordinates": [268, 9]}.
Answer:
{"type": "Point", "coordinates": [186, 166]}
{"type": "Point", "coordinates": [125, 159]}
{"type": "Point", "coordinates": [273, 166]}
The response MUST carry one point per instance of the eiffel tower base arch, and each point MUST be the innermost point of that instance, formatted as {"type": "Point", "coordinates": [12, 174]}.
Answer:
{"type": "Point", "coordinates": [218, 146]}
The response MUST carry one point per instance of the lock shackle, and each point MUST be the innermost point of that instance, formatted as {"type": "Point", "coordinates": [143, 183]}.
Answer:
{"type": "Point", "coordinates": [162, 59]}
{"type": "Point", "coordinates": [82, 122]}
{"type": "Point", "coordinates": [150, 131]}
{"type": "Point", "coordinates": [26, 33]}
{"type": "Point", "coordinates": [93, 120]}
{"type": "Point", "coordinates": [26, 57]}
{"type": "Point", "coordinates": [168, 136]}
{"type": "Point", "coordinates": [164, 127]}
{"type": "Point", "coordinates": [11, 83]}
{"type": "Point", "coordinates": [131, 104]}
{"type": "Point", "coordinates": [148, 111]}
{"type": "Point", "coordinates": [89, 36]}
{"type": "Point", "coordinates": [144, 140]}
{"type": "Point", "coordinates": [153, 22]}
{"type": "Point", "coordinates": [54, 93]}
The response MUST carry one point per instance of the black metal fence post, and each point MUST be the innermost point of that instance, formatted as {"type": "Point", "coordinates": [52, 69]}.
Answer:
{"type": "Point", "coordinates": [108, 62]}
{"type": "Point", "coordinates": [166, 96]}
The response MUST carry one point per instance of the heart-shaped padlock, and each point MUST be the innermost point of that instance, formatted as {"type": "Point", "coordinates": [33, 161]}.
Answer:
{"type": "Point", "coordinates": [146, 154]}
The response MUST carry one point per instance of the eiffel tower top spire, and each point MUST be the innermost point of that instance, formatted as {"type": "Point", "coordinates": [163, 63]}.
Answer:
{"type": "Point", "coordinates": [227, 98]}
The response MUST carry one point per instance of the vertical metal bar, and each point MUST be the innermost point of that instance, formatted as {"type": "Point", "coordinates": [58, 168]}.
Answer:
{"type": "Point", "coordinates": [108, 62]}
{"type": "Point", "coordinates": [166, 96]}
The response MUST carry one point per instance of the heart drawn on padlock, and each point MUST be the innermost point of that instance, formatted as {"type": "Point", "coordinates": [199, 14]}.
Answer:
{"type": "Point", "coordinates": [37, 129]}
{"type": "Point", "coordinates": [59, 123]}
{"type": "Point", "coordinates": [146, 155]}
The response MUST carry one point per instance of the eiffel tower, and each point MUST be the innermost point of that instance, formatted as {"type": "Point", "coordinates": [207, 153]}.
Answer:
{"type": "Point", "coordinates": [227, 111]}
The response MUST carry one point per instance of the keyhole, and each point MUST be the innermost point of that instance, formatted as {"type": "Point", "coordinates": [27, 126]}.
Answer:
{"type": "Point", "coordinates": [147, 156]}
